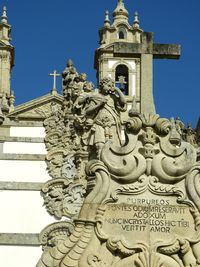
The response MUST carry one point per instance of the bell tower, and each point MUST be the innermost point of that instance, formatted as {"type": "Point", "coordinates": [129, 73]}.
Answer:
{"type": "Point", "coordinates": [6, 59]}
{"type": "Point", "coordinates": [126, 54]}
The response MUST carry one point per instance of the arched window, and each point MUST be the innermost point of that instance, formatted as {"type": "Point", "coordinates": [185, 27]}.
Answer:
{"type": "Point", "coordinates": [122, 33]}
{"type": "Point", "coordinates": [121, 78]}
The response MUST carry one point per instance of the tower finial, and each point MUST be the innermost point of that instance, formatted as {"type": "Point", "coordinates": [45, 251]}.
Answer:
{"type": "Point", "coordinates": [4, 15]}
{"type": "Point", "coordinates": [107, 19]}
{"type": "Point", "coordinates": [136, 21]}
{"type": "Point", "coordinates": [120, 11]}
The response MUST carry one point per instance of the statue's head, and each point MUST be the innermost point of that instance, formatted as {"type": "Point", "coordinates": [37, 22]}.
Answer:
{"type": "Point", "coordinates": [88, 87]}
{"type": "Point", "coordinates": [106, 85]}
{"type": "Point", "coordinates": [69, 63]}
{"type": "Point", "coordinates": [83, 77]}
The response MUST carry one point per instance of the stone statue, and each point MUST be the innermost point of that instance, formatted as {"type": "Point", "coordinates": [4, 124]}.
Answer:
{"type": "Point", "coordinates": [68, 76]}
{"type": "Point", "coordinates": [81, 79]}
{"type": "Point", "coordinates": [98, 114]}
{"type": "Point", "coordinates": [191, 135]}
{"type": "Point", "coordinates": [69, 73]}
{"type": "Point", "coordinates": [132, 202]}
{"type": "Point", "coordinates": [104, 108]}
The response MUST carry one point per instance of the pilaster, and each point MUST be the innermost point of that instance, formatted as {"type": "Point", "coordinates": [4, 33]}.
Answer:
{"type": "Point", "coordinates": [147, 101]}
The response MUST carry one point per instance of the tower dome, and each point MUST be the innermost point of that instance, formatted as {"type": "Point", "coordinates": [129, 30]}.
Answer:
{"type": "Point", "coordinates": [120, 11]}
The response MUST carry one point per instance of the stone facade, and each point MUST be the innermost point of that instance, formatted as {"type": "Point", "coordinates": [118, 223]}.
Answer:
{"type": "Point", "coordinates": [95, 177]}
{"type": "Point", "coordinates": [126, 55]}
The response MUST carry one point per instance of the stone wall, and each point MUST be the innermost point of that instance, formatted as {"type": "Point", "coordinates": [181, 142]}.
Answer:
{"type": "Point", "coordinates": [23, 171]}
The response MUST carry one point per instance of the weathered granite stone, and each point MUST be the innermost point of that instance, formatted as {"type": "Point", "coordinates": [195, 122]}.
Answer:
{"type": "Point", "coordinates": [141, 206]}
{"type": "Point", "coordinates": [26, 239]}
{"type": "Point", "coordinates": [12, 156]}
{"type": "Point", "coordinates": [54, 233]}
{"type": "Point", "coordinates": [21, 139]}
{"type": "Point", "coordinates": [63, 198]}
{"type": "Point", "coordinates": [129, 188]}
{"type": "Point", "coordinates": [21, 186]}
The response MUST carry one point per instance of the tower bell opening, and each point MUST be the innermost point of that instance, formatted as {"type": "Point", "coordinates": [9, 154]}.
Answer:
{"type": "Point", "coordinates": [121, 78]}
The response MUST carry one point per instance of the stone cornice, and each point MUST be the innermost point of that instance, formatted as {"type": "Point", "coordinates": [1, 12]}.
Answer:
{"type": "Point", "coordinates": [24, 186]}
{"type": "Point", "coordinates": [20, 239]}
{"type": "Point", "coordinates": [12, 156]}
{"type": "Point", "coordinates": [21, 139]}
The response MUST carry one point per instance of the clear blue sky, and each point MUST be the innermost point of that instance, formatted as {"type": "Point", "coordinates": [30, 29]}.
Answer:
{"type": "Point", "coordinates": [46, 33]}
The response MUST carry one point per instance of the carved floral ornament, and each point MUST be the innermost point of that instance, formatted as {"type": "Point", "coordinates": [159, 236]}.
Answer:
{"type": "Point", "coordinates": [63, 198]}
{"type": "Point", "coordinates": [142, 201]}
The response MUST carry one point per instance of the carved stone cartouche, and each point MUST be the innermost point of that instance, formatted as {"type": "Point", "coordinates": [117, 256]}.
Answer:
{"type": "Point", "coordinates": [142, 204]}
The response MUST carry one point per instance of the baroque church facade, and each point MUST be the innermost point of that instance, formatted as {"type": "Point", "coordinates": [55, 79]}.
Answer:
{"type": "Point", "coordinates": [53, 137]}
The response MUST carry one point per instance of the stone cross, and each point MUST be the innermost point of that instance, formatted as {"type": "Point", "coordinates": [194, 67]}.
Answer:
{"type": "Point", "coordinates": [54, 74]}
{"type": "Point", "coordinates": [147, 50]}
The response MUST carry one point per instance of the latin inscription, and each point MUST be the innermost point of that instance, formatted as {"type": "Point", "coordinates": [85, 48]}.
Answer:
{"type": "Point", "coordinates": [154, 215]}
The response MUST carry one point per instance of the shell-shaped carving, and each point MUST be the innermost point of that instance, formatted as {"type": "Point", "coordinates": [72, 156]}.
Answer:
{"type": "Point", "coordinates": [134, 125]}
{"type": "Point", "coordinates": [149, 119]}
{"type": "Point", "coordinates": [163, 126]}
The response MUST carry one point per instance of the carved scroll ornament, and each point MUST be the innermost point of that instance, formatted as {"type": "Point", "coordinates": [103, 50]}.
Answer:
{"type": "Point", "coordinates": [63, 198]}
{"type": "Point", "coordinates": [141, 206]}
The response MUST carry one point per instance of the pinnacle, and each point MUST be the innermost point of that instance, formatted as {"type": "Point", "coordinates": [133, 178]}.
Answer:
{"type": "Point", "coordinates": [4, 15]}
{"type": "Point", "coordinates": [136, 20]}
{"type": "Point", "coordinates": [107, 19]}
{"type": "Point", "coordinates": [120, 9]}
